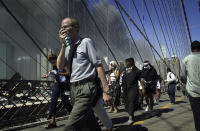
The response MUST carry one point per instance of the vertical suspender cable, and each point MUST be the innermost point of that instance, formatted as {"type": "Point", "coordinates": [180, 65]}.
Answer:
{"type": "Point", "coordinates": [68, 8]}
{"type": "Point", "coordinates": [116, 1]}
{"type": "Point", "coordinates": [142, 23]}
{"type": "Point", "coordinates": [186, 21]}
{"type": "Point", "coordinates": [99, 30]}
{"type": "Point", "coordinates": [26, 32]}
{"type": "Point", "coordinates": [130, 34]}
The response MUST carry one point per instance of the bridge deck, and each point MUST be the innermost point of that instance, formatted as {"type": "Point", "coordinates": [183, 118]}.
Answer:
{"type": "Point", "coordinates": [168, 117]}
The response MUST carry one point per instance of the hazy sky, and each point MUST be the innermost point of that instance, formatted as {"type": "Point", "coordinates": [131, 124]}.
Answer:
{"type": "Point", "coordinates": [179, 47]}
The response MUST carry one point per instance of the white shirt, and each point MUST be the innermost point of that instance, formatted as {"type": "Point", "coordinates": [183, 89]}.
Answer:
{"type": "Point", "coordinates": [112, 76]}
{"type": "Point", "coordinates": [158, 85]}
{"type": "Point", "coordinates": [170, 77]}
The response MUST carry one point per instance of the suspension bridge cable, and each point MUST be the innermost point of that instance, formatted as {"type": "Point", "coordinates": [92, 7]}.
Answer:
{"type": "Point", "coordinates": [130, 34]}
{"type": "Point", "coordinates": [46, 13]}
{"type": "Point", "coordinates": [199, 5]}
{"type": "Point", "coordinates": [8, 65]}
{"type": "Point", "coordinates": [153, 26]}
{"type": "Point", "coordinates": [176, 29]}
{"type": "Point", "coordinates": [169, 24]}
{"type": "Point", "coordinates": [22, 27]}
{"type": "Point", "coordinates": [21, 47]}
{"type": "Point", "coordinates": [167, 16]}
{"type": "Point", "coordinates": [52, 7]}
{"type": "Point", "coordinates": [144, 31]}
{"type": "Point", "coordinates": [166, 30]}
{"type": "Point", "coordinates": [186, 21]}
{"type": "Point", "coordinates": [181, 27]}
{"type": "Point", "coordinates": [98, 29]}
{"type": "Point", "coordinates": [139, 30]}
{"type": "Point", "coordinates": [61, 6]}
{"type": "Point", "coordinates": [107, 29]}
{"type": "Point", "coordinates": [52, 35]}
{"type": "Point", "coordinates": [161, 28]}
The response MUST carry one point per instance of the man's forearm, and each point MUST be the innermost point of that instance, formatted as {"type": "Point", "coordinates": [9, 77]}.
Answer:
{"type": "Point", "coordinates": [61, 58]}
{"type": "Point", "coordinates": [101, 76]}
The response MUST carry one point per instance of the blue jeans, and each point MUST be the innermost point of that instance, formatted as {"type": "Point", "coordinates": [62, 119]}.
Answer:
{"type": "Point", "coordinates": [59, 89]}
{"type": "Point", "coordinates": [171, 92]}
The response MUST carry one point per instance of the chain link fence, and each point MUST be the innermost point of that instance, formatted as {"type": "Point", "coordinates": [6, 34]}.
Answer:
{"type": "Point", "coordinates": [25, 101]}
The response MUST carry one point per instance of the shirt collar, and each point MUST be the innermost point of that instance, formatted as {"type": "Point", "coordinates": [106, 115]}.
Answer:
{"type": "Point", "coordinates": [77, 40]}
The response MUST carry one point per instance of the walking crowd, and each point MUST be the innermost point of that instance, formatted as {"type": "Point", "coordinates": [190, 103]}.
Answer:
{"type": "Point", "coordinates": [79, 74]}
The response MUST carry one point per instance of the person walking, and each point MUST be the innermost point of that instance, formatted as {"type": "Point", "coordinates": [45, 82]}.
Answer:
{"type": "Point", "coordinates": [171, 83]}
{"type": "Point", "coordinates": [61, 87]}
{"type": "Point", "coordinates": [114, 86]}
{"type": "Point", "coordinates": [85, 67]}
{"type": "Point", "coordinates": [149, 78]}
{"type": "Point", "coordinates": [190, 75]}
{"type": "Point", "coordinates": [131, 87]}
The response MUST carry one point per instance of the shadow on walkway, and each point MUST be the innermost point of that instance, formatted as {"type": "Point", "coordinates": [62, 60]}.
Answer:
{"type": "Point", "coordinates": [179, 102]}
{"type": "Point", "coordinates": [157, 112]}
{"type": "Point", "coordinates": [142, 117]}
{"type": "Point", "coordinates": [132, 128]}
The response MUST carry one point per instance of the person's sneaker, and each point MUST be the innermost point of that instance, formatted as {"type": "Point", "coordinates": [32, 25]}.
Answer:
{"type": "Point", "coordinates": [130, 121]}
{"type": "Point", "coordinates": [147, 108]}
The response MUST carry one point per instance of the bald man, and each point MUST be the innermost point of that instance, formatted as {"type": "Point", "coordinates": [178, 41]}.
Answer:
{"type": "Point", "coordinates": [85, 66]}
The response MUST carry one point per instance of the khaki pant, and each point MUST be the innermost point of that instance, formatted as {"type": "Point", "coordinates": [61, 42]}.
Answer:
{"type": "Point", "coordinates": [82, 117]}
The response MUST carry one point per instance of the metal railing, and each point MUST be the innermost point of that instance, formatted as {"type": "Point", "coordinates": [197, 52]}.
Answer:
{"type": "Point", "coordinates": [25, 101]}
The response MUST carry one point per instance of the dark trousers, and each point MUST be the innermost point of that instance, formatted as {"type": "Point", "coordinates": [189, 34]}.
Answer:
{"type": "Point", "coordinates": [59, 89]}
{"type": "Point", "coordinates": [140, 99]}
{"type": "Point", "coordinates": [171, 92]}
{"type": "Point", "coordinates": [195, 105]}
{"type": "Point", "coordinates": [82, 117]}
{"type": "Point", "coordinates": [132, 100]}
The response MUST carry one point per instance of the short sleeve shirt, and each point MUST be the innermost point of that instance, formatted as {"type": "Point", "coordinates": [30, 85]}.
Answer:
{"type": "Point", "coordinates": [84, 60]}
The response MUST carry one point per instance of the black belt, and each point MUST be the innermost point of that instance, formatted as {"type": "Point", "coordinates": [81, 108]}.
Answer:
{"type": "Point", "coordinates": [81, 82]}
